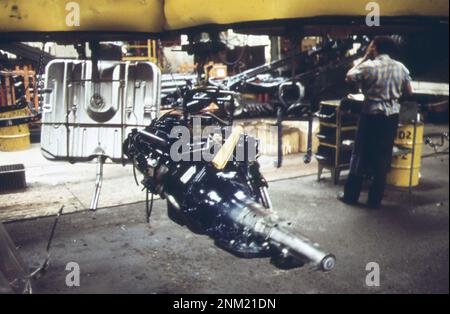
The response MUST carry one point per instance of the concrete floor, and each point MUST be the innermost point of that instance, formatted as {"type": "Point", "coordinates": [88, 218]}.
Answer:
{"type": "Point", "coordinates": [119, 253]}
{"type": "Point", "coordinates": [73, 185]}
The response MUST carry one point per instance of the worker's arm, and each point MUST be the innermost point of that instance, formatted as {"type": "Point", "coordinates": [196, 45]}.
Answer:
{"type": "Point", "coordinates": [407, 87]}
{"type": "Point", "coordinates": [359, 72]}
{"type": "Point", "coordinates": [356, 74]}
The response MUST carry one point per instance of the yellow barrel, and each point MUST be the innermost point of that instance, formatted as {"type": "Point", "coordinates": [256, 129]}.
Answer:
{"type": "Point", "coordinates": [17, 137]}
{"type": "Point", "coordinates": [402, 165]}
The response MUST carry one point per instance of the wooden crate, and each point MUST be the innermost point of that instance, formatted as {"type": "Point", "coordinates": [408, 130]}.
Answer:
{"type": "Point", "coordinates": [302, 127]}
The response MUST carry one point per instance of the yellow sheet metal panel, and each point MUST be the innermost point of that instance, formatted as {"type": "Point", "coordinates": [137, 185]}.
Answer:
{"type": "Point", "coordinates": [189, 13]}
{"type": "Point", "coordinates": [94, 15]}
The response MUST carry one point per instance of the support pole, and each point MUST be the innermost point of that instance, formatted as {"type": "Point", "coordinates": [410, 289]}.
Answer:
{"type": "Point", "coordinates": [98, 183]}
{"type": "Point", "coordinates": [308, 157]}
{"type": "Point", "coordinates": [149, 205]}
{"type": "Point", "coordinates": [411, 174]}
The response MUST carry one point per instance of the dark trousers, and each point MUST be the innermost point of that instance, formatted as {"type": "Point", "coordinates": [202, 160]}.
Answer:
{"type": "Point", "coordinates": [372, 156]}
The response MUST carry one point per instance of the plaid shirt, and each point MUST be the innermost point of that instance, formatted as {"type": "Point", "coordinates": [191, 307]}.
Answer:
{"type": "Point", "coordinates": [383, 81]}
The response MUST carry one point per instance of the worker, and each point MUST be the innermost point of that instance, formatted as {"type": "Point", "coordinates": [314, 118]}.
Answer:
{"type": "Point", "coordinates": [383, 81]}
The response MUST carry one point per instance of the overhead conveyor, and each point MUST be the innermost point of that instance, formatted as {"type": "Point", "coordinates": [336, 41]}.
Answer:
{"type": "Point", "coordinates": [24, 19]}
{"type": "Point", "coordinates": [182, 14]}
{"type": "Point", "coordinates": [113, 19]}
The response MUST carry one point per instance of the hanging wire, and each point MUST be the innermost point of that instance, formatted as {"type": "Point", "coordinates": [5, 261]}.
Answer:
{"type": "Point", "coordinates": [135, 174]}
{"type": "Point", "coordinates": [148, 203]}
{"type": "Point", "coordinates": [170, 70]}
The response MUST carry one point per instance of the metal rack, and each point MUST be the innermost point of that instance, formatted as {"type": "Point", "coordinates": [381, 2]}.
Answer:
{"type": "Point", "coordinates": [336, 126]}
{"type": "Point", "coordinates": [149, 49]}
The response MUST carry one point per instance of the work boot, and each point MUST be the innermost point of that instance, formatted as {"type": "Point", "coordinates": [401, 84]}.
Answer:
{"type": "Point", "coordinates": [371, 205]}
{"type": "Point", "coordinates": [375, 198]}
{"type": "Point", "coordinates": [341, 197]}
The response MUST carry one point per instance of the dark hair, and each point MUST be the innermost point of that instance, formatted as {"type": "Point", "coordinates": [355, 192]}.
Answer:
{"type": "Point", "coordinates": [384, 44]}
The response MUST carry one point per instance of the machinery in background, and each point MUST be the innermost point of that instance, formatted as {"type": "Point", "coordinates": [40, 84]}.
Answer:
{"type": "Point", "coordinates": [172, 88]}
{"type": "Point", "coordinates": [226, 197]}
{"type": "Point", "coordinates": [310, 73]}
{"type": "Point", "coordinates": [290, 88]}
{"type": "Point", "coordinates": [31, 57]}
{"type": "Point", "coordinates": [21, 93]}
{"type": "Point", "coordinates": [438, 143]}
{"type": "Point", "coordinates": [20, 99]}
{"type": "Point", "coordinates": [148, 50]}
